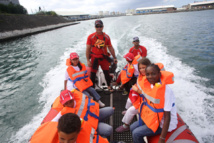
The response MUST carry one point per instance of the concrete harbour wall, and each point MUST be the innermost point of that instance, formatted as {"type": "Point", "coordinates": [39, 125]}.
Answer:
{"type": "Point", "coordinates": [20, 33]}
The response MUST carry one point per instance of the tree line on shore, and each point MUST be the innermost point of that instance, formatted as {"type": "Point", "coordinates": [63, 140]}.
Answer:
{"type": "Point", "coordinates": [19, 9]}
{"type": "Point", "coordinates": [12, 9]}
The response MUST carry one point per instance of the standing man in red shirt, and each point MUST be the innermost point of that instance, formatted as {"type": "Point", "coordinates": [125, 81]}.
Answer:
{"type": "Point", "coordinates": [137, 48]}
{"type": "Point", "coordinates": [96, 49]}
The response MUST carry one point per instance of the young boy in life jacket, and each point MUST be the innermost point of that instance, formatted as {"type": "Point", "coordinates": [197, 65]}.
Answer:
{"type": "Point", "coordinates": [76, 130]}
{"type": "Point", "coordinates": [69, 129]}
{"type": "Point", "coordinates": [134, 100]}
{"type": "Point", "coordinates": [84, 110]}
{"type": "Point", "coordinates": [76, 77]}
{"type": "Point", "coordinates": [157, 111]}
{"type": "Point", "coordinates": [130, 72]}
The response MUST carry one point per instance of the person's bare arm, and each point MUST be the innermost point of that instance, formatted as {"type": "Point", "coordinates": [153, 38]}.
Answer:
{"type": "Point", "coordinates": [165, 128]}
{"type": "Point", "coordinates": [111, 49]}
{"type": "Point", "coordinates": [65, 84]}
{"type": "Point", "coordinates": [88, 50]}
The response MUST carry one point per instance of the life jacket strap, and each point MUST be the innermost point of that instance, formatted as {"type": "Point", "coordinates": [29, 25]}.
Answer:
{"type": "Point", "coordinates": [97, 141]}
{"type": "Point", "coordinates": [79, 78]}
{"type": "Point", "coordinates": [88, 112]}
{"type": "Point", "coordinates": [127, 73]}
{"type": "Point", "coordinates": [141, 95]}
{"type": "Point", "coordinates": [150, 107]}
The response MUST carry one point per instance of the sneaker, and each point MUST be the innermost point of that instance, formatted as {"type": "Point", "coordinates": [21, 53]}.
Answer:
{"type": "Point", "coordinates": [121, 129]}
{"type": "Point", "coordinates": [124, 92]}
{"type": "Point", "coordinates": [124, 112]}
{"type": "Point", "coordinates": [101, 104]}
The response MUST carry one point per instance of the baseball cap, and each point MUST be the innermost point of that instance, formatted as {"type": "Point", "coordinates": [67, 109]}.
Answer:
{"type": "Point", "coordinates": [98, 22]}
{"type": "Point", "coordinates": [65, 96]}
{"type": "Point", "coordinates": [73, 55]}
{"type": "Point", "coordinates": [129, 57]}
{"type": "Point", "coordinates": [135, 39]}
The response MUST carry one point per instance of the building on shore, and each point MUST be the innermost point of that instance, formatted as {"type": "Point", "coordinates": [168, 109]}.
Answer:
{"type": "Point", "coordinates": [73, 15]}
{"type": "Point", "coordinates": [106, 13]}
{"type": "Point", "coordinates": [100, 13]}
{"type": "Point", "coordinates": [156, 9]}
{"type": "Point", "coordinates": [130, 11]}
{"type": "Point", "coordinates": [181, 9]}
{"type": "Point", "coordinates": [6, 2]}
{"type": "Point", "coordinates": [201, 5]}
{"type": "Point", "coordinates": [112, 13]}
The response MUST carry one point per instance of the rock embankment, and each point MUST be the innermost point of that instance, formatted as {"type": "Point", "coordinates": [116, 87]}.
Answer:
{"type": "Point", "coordinates": [12, 26]}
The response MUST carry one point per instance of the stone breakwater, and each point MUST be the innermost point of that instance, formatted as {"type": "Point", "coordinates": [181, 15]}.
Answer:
{"type": "Point", "coordinates": [13, 26]}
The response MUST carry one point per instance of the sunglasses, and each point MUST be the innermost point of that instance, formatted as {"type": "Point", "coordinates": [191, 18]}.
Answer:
{"type": "Point", "coordinates": [136, 41]}
{"type": "Point", "coordinates": [99, 26]}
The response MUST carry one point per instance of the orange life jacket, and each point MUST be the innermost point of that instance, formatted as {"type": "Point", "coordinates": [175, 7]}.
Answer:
{"type": "Point", "coordinates": [99, 48]}
{"type": "Point", "coordinates": [68, 62]}
{"type": "Point", "coordinates": [84, 136]}
{"type": "Point", "coordinates": [136, 101]}
{"type": "Point", "coordinates": [136, 59]}
{"type": "Point", "coordinates": [161, 66]}
{"type": "Point", "coordinates": [86, 108]}
{"type": "Point", "coordinates": [48, 133]}
{"type": "Point", "coordinates": [128, 71]}
{"type": "Point", "coordinates": [79, 78]}
{"type": "Point", "coordinates": [57, 105]}
{"type": "Point", "coordinates": [151, 109]}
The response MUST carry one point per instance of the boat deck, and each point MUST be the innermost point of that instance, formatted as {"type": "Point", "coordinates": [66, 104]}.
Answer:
{"type": "Point", "coordinates": [118, 101]}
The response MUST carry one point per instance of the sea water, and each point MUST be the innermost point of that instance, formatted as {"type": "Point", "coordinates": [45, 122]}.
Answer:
{"type": "Point", "coordinates": [32, 68]}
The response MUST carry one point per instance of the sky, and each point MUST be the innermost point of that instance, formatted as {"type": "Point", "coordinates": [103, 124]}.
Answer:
{"type": "Point", "coordinates": [94, 6]}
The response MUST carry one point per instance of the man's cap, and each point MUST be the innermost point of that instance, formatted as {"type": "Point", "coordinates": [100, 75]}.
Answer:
{"type": "Point", "coordinates": [135, 39]}
{"type": "Point", "coordinates": [98, 22]}
{"type": "Point", "coordinates": [65, 96]}
{"type": "Point", "coordinates": [129, 57]}
{"type": "Point", "coordinates": [74, 55]}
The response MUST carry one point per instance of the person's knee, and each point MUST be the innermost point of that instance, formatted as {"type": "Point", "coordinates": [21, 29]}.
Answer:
{"type": "Point", "coordinates": [104, 129]}
{"type": "Point", "coordinates": [110, 110]}
{"type": "Point", "coordinates": [135, 134]}
{"type": "Point", "coordinates": [109, 130]}
{"type": "Point", "coordinates": [132, 127]}
{"type": "Point", "coordinates": [131, 110]}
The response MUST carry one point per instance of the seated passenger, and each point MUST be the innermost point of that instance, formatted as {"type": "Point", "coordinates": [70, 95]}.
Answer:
{"type": "Point", "coordinates": [76, 77]}
{"type": "Point", "coordinates": [133, 102]}
{"type": "Point", "coordinates": [137, 49]}
{"type": "Point", "coordinates": [70, 128]}
{"type": "Point", "coordinates": [130, 72]}
{"type": "Point", "coordinates": [87, 109]}
{"type": "Point", "coordinates": [157, 110]}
